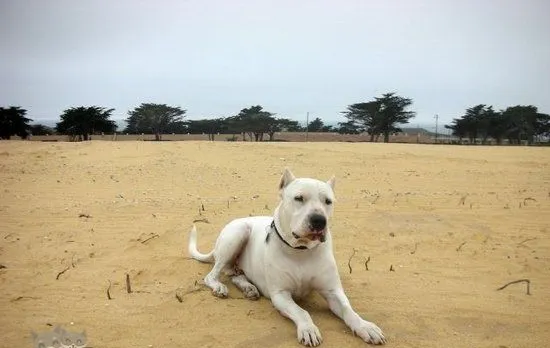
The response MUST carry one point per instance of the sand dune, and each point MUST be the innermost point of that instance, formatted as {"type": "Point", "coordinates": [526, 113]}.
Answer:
{"type": "Point", "coordinates": [453, 223]}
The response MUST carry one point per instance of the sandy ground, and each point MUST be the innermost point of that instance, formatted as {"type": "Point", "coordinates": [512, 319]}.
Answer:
{"type": "Point", "coordinates": [454, 223]}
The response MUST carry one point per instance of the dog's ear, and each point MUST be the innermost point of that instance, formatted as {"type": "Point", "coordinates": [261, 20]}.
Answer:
{"type": "Point", "coordinates": [286, 179]}
{"type": "Point", "coordinates": [332, 182]}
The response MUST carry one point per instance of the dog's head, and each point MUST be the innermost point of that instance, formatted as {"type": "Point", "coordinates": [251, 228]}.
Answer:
{"type": "Point", "coordinates": [305, 209]}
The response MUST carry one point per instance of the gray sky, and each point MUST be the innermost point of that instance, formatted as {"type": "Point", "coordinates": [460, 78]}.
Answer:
{"type": "Point", "coordinates": [215, 57]}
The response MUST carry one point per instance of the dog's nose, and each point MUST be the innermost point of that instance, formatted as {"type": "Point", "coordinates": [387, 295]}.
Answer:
{"type": "Point", "coordinates": [318, 222]}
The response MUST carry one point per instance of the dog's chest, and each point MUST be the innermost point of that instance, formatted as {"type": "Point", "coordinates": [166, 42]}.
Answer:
{"type": "Point", "coordinates": [300, 279]}
{"type": "Point", "coordinates": [303, 288]}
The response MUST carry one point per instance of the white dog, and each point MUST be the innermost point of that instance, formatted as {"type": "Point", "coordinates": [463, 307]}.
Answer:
{"type": "Point", "coordinates": [285, 256]}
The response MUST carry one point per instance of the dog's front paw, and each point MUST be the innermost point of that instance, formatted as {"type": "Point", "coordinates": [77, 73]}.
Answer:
{"type": "Point", "coordinates": [370, 333]}
{"type": "Point", "coordinates": [309, 335]}
{"type": "Point", "coordinates": [220, 290]}
{"type": "Point", "coordinates": [251, 292]}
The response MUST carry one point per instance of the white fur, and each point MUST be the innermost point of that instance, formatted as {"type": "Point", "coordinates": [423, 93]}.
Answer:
{"type": "Point", "coordinates": [262, 264]}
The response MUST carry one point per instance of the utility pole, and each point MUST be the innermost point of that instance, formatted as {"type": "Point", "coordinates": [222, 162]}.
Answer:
{"type": "Point", "coordinates": [307, 125]}
{"type": "Point", "coordinates": [436, 119]}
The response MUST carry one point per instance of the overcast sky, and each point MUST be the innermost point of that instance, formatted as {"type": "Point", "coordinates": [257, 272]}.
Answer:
{"type": "Point", "coordinates": [215, 57]}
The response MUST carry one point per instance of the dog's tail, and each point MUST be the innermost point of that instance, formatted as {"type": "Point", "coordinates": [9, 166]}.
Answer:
{"type": "Point", "coordinates": [192, 248]}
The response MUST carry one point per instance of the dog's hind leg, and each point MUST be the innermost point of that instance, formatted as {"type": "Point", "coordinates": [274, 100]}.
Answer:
{"type": "Point", "coordinates": [212, 279]}
{"type": "Point", "coordinates": [230, 242]}
{"type": "Point", "coordinates": [249, 290]}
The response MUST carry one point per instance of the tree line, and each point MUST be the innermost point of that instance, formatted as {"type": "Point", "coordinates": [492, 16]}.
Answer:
{"type": "Point", "coordinates": [381, 116]}
{"type": "Point", "coordinates": [515, 123]}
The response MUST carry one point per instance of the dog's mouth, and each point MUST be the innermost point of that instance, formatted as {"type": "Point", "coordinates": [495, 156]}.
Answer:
{"type": "Point", "coordinates": [319, 235]}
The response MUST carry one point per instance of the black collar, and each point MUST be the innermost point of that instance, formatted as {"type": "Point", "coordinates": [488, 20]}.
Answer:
{"type": "Point", "coordinates": [281, 238]}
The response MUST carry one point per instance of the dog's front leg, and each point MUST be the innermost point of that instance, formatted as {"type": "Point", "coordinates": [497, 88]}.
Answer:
{"type": "Point", "coordinates": [308, 333]}
{"type": "Point", "coordinates": [339, 304]}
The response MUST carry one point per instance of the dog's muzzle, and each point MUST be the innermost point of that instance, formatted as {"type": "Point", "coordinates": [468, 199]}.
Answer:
{"type": "Point", "coordinates": [317, 235]}
{"type": "Point", "coordinates": [317, 228]}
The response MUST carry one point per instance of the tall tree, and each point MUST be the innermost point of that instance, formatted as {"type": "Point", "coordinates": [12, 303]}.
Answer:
{"type": "Point", "coordinates": [236, 125]}
{"type": "Point", "coordinates": [282, 124]}
{"type": "Point", "coordinates": [316, 125]}
{"type": "Point", "coordinates": [14, 122]}
{"type": "Point", "coordinates": [392, 113]}
{"type": "Point", "coordinates": [254, 121]}
{"type": "Point", "coordinates": [364, 116]}
{"type": "Point", "coordinates": [207, 126]}
{"type": "Point", "coordinates": [516, 123]}
{"type": "Point", "coordinates": [381, 115]}
{"type": "Point", "coordinates": [349, 127]}
{"type": "Point", "coordinates": [477, 122]}
{"type": "Point", "coordinates": [156, 119]}
{"type": "Point", "coordinates": [327, 128]}
{"type": "Point", "coordinates": [497, 126]}
{"type": "Point", "coordinates": [288, 125]}
{"type": "Point", "coordinates": [80, 122]}
{"type": "Point", "coordinates": [525, 122]}
{"type": "Point", "coordinates": [459, 128]}
{"type": "Point", "coordinates": [486, 123]}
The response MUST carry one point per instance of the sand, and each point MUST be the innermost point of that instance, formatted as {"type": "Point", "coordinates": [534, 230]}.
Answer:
{"type": "Point", "coordinates": [443, 226]}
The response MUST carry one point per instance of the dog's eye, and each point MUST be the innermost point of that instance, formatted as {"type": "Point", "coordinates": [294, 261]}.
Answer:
{"type": "Point", "coordinates": [299, 198]}
{"type": "Point", "coordinates": [328, 201]}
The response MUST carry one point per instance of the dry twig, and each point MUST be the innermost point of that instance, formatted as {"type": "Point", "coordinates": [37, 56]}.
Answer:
{"type": "Point", "coordinates": [349, 261]}
{"type": "Point", "coordinates": [415, 247]}
{"type": "Point", "coordinates": [526, 240]}
{"type": "Point", "coordinates": [128, 286]}
{"type": "Point", "coordinates": [205, 220]}
{"type": "Point", "coordinates": [23, 297]}
{"type": "Point", "coordinates": [180, 293]}
{"type": "Point", "coordinates": [109, 291]}
{"type": "Point", "coordinates": [460, 246]}
{"type": "Point", "coordinates": [148, 239]}
{"type": "Point", "coordinates": [528, 199]}
{"type": "Point", "coordinates": [367, 263]}
{"type": "Point", "coordinates": [179, 297]}
{"type": "Point", "coordinates": [518, 281]}
{"type": "Point", "coordinates": [60, 273]}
